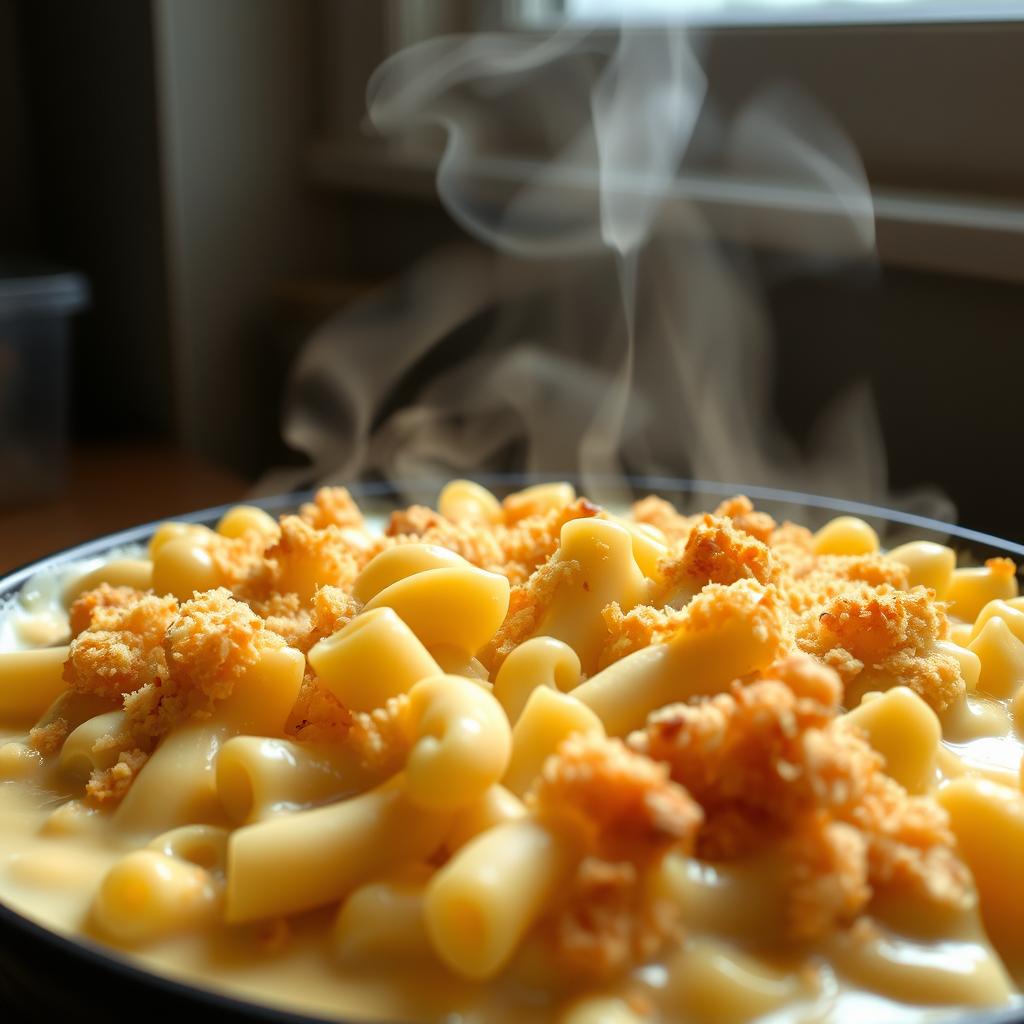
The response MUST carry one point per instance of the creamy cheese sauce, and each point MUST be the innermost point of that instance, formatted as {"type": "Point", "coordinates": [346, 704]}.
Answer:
{"type": "Point", "coordinates": [53, 853]}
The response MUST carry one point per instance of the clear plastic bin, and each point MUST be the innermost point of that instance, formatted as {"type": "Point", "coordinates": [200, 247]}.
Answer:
{"type": "Point", "coordinates": [36, 305]}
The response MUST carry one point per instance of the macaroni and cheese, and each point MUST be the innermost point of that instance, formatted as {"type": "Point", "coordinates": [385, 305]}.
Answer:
{"type": "Point", "coordinates": [527, 758]}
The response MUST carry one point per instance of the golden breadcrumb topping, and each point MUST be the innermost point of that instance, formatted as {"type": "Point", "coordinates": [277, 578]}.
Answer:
{"type": "Point", "coordinates": [107, 786]}
{"type": "Point", "coordinates": [332, 506]}
{"type": "Point", "coordinates": [122, 649]}
{"type": "Point", "coordinates": [773, 759]}
{"type": "Point", "coordinates": [285, 615]}
{"type": "Point", "coordinates": [103, 596]}
{"type": "Point", "coordinates": [714, 552]}
{"type": "Point", "coordinates": [830, 576]}
{"type": "Point", "coordinates": [625, 805]}
{"type": "Point", "coordinates": [301, 625]}
{"type": "Point", "coordinates": [318, 715]}
{"type": "Point", "coordinates": [610, 919]}
{"type": "Point", "coordinates": [527, 604]}
{"type": "Point", "coordinates": [381, 737]}
{"type": "Point", "coordinates": [515, 551]}
{"type": "Point", "coordinates": [49, 738]}
{"type": "Point", "coordinates": [629, 815]}
{"type": "Point", "coordinates": [333, 609]}
{"type": "Point", "coordinates": [168, 662]}
{"type": "Point", "coordinates": [241, 562]}
{"type": "Point", "coordinates": [524, 504]}
{"type": "Point", "coordinates": [532, 541]}
{"type": "Point", "coordinates": [792, 548]}
{"type": "Point", "coordinates": [302, 547]}
{"type": "Point", "coordinates": [740, 509]}
{"type": "Point", "coordinates": [717, 604]}
{"type": "Point", "coordinates": [660, 514]}
{"type": "Point", "coordinates": [644, 625]}
{"type": "Point", "coordinates": [882, 637]}
{"type": "Point", "coordinates": [1005, 567]}
{"type": "Point", "coordinates": [640, 627]}
{"type": "Point", "coordinates": [476, 543]}
{"type": "Point", "coordinates": [211, 642]}
{"type": "Point", "coordinates": [828, 863]}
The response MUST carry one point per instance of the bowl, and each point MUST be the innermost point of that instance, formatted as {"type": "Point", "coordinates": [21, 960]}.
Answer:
{"type": "Point", "coordinates": [44, 974]}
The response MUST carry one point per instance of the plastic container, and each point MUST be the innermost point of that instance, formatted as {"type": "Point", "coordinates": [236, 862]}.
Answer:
{"type": "Point", "coordinates": [36, 304]}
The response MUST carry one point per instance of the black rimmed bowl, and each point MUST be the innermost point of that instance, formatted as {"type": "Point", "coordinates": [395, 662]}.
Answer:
{"type": "Point", "coordinates": [45, 976]}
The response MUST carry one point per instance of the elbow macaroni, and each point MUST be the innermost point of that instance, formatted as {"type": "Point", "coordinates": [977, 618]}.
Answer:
{"type": "Point", "coordinates": [608, 572]}
{"type": "Point", "coordinates": [542, 661]}
{"type": "Point", "coordinates": [460, 607]}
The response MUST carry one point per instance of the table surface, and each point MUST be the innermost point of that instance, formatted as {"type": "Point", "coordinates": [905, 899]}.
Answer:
{"type": "Point", "coordinates": [108, 489]}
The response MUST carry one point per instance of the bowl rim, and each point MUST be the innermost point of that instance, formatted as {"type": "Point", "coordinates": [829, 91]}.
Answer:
{"type": "Point", "coordinates": [284, 500]}
{"type": "Point", "coordinates": [88, 952]}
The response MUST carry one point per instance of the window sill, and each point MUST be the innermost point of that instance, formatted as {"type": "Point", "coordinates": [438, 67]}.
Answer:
{"type": "Point", "coordinates": [958, 234]}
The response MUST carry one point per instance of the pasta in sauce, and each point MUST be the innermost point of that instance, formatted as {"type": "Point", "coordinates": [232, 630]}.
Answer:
{"type": "Point", "coordinates": [530, 758]}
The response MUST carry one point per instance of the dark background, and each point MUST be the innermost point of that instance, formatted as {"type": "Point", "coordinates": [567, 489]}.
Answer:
{"type": "Point", "coordinates": [204, 166]}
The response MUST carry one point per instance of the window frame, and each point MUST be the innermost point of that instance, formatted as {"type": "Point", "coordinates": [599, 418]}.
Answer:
{"type": "Point", "coordinates": [900, 90]}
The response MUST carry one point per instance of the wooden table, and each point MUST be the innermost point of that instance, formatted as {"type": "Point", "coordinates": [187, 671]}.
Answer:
{"type": "Point", "coordinates": [110, 488]}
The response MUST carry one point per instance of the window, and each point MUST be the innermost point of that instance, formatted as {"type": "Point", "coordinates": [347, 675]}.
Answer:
{"type": "Point", "coordinates": [786, 12]}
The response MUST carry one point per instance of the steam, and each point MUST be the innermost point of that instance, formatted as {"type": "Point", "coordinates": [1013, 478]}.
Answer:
{"type": "Point", "coordinates": [607, 323]}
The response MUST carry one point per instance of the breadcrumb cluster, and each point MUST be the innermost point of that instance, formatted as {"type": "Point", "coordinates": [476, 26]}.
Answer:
{"type": "Point", "coordinates": [769, 764]}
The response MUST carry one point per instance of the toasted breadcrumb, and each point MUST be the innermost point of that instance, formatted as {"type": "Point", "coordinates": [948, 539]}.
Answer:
{"type": "Point", "coordinates": [890, 636]}
{"type": "Point", "coordinates": [640, 627]}
{"type": "Point", "coordinates": [532, 541]}
{"type": "Point", "coordinates": [103, 596]}
{"type": "Point", "coordinates": [332, 506]}
{"type": "Point", "coordinates": [241, 562]}
{"type": "Point", "coordinates": [527, 604]}
{"type": "Point", "coordinates": [792, 548]}
{"type": "Point", "coordinates": [122, 649]}
{"type": "Point", "coordinates": [740, 509]}
{"type": "Point", "coordinates": [743, 749]}
{"type": "Point", "coordinates": [381, 737]}
{"type": "Point", "coordinates": [318, 715]}
{"type": "Point", "coordinates": [515, 551]}
{"type": "Point", "coordinates": [610, 920]}
{"type": "Point", "coordinates": [717, 604]}
{"type": "Point", "coordinates": [48, 739]}
{"type": "Point", "coordinates": [333, 609]}
{"type": "Point", "coordinates": [629, 814]}
{"type": "Point", "coordinates": [772, 759]}
{"type": "Point", "coordinates": [211, 642]}
{"type": "Point", "coordinates": [626, 805]}
{"type": "Point", "coordinates": [715, 551]}
{"type": "Point", "coordinates": [828, 875]}
{"type": "Point", "coordinates": [301, 625]}
{"type": "Point", "coordinates": [659, 513]}
{"type": "Point", "coordinates": [910, 844]}
{"type": "Point", "coordinates": [285, 615]}
{"type": "Point", "coordinates": [336, 559]}
{"type": "Point", "coordinates": [107, 787]}
{"type": "Point", "coordinates": [1005, 567]}
{"type": "Point", "coordinates": [414, 521]}
{"type": "Point", "coordinates": [524, 505]}
{"type": "Point", "coordinates": [834, 575]}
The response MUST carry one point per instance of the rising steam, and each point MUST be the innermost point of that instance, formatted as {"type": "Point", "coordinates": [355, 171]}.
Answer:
{"type": "Point", "coordinates": [607, 325]}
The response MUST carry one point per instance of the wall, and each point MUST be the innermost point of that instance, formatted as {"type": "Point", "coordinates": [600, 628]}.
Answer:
{"type": "Point", "coordinates": [237, 107]}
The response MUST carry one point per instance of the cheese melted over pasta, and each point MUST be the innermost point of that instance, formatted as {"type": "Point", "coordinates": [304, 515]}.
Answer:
{"type": "Point", "coordinates": [526, 757]}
